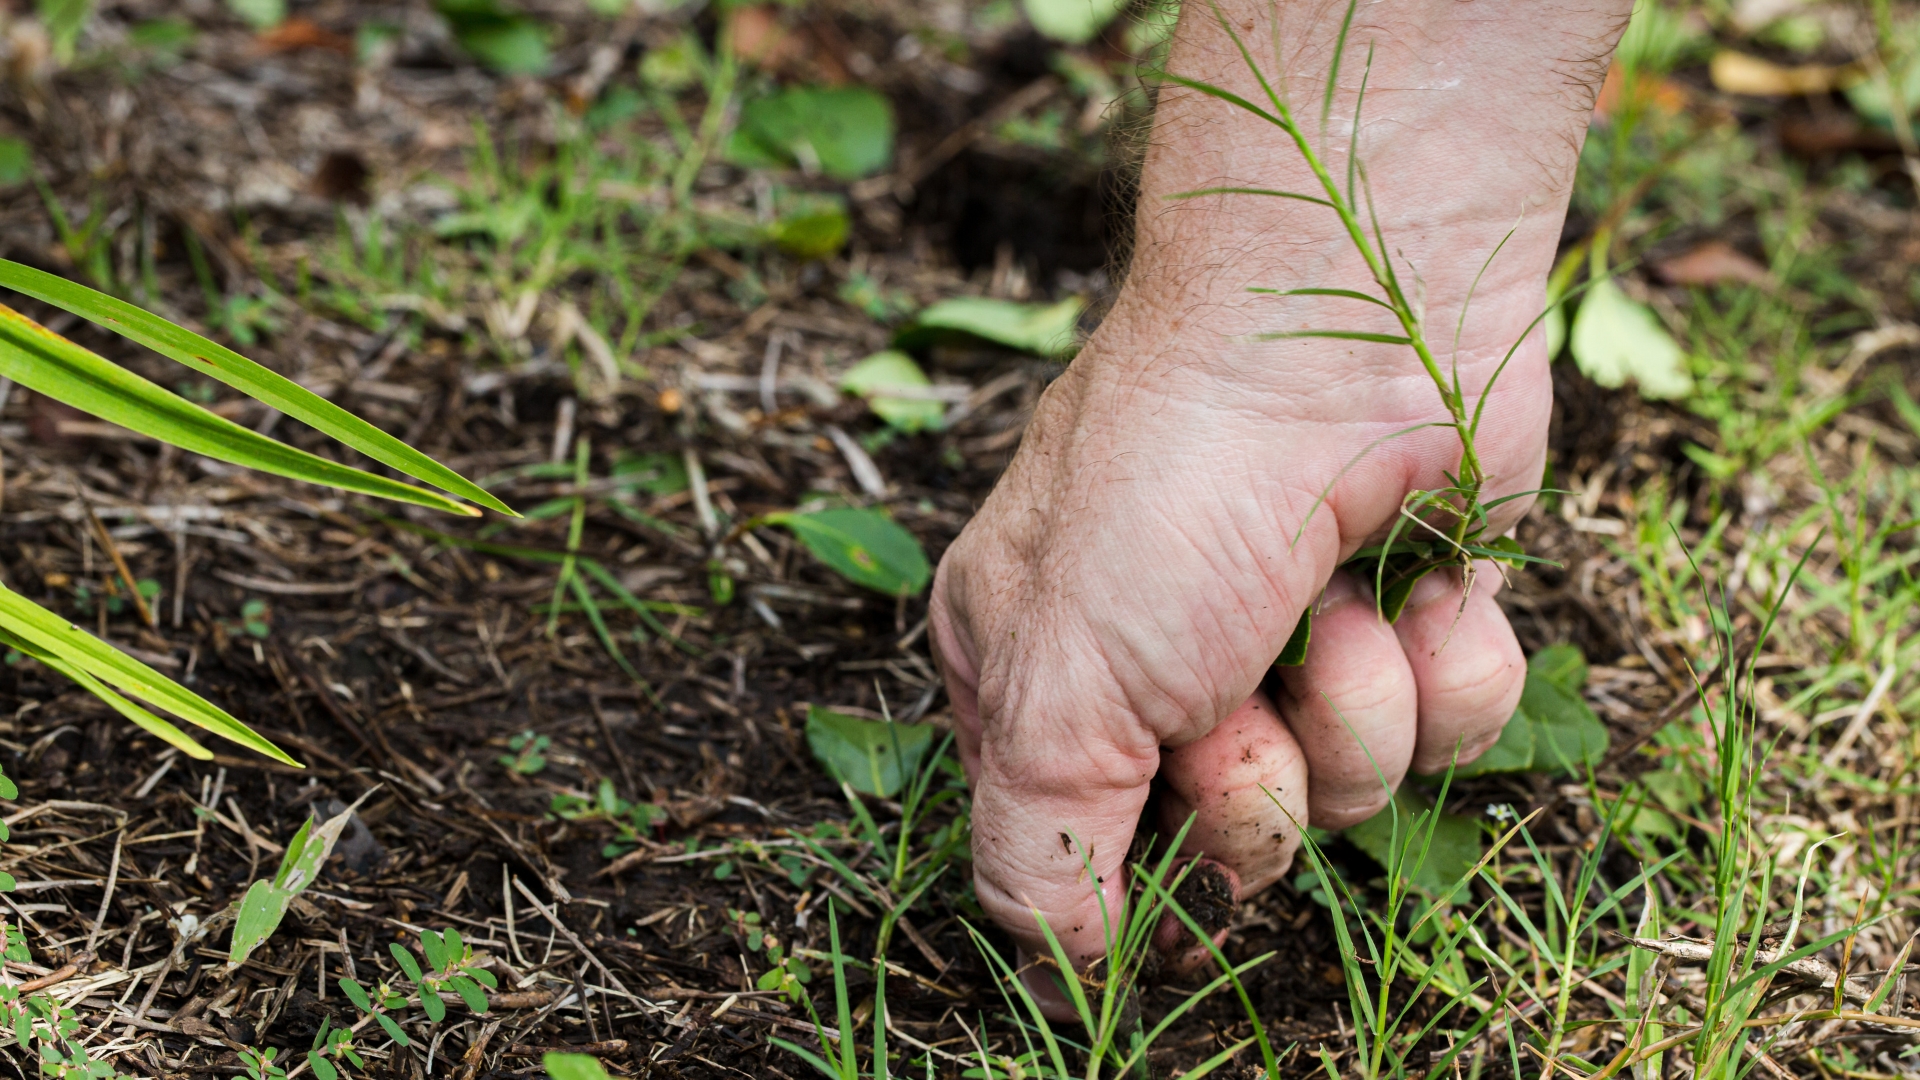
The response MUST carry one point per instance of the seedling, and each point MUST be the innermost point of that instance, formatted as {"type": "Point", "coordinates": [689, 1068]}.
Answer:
{"type": "Point", "coordinates": [632, 821]}
{"type": "Point", "coordinates": [529, 753]}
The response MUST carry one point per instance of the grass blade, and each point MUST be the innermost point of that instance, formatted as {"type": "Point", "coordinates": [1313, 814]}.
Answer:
{"type": "Point", "coordinates": [1314, 199]}
{"type": "Point", "coordinates": [53, 634]}
{"type": "Point", "coordinates": [47, 363]}
{"type": "Point", "coordinates": [216, 361]}
{"type": "Point", "coordinates": [152, 724]}
{"type": "Point", "coordinates": [1338, 335]}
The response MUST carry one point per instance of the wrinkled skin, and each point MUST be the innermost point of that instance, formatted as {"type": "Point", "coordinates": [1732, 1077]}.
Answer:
{"type": "Point", "coordinates": [1107, 617]}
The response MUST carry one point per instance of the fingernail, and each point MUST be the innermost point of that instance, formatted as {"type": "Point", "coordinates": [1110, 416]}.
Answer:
{"type": "Point", "coordinates": [1341, 589]}
{"type": "Point", "coordinates": [1209, 894]}
{"type": "Point", "coordinates": [1436, 584]}
{"type": "Point", "coordinates": [1043, 982]}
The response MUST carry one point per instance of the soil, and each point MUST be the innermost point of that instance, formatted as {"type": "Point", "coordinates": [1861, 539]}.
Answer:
{"type": "Point", "coordinates": [393, 663]}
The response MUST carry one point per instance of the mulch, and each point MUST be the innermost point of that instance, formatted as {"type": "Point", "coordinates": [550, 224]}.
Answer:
{"type": "Point", "coordinates": [386, 659]}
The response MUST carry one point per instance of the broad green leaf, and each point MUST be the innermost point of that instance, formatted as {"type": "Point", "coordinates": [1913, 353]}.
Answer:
{"type": "Point", "coordinates": [54, 635]}
{"type": "Point", "coordinates": [864, 546]}
{"type": "Point", "coordinates": [431, 1004]}
{"type": "Point", "coordinates": [1047, 330]}
{"type": "Point", "coordinates": [45, 362]}
{"type": "Point", "coordinates": [891, 370]}
{"type": "Point", "coordinates": [356, 994]}
{"type": "Point", "coordinates": [1457, 842]}
{"type": "Point", "coordinates": [6, 881]}
{"type": "Point", "coordinates": [844, 132]}
{"type": "Point", "coordinates": [1553, 730]}
{"type": "Point", "coordinates": [266, 901]}
{"type": "Point", "coordinates": [1563, 665]}
{"type": "Point", "coordinates": [874, 756]}
{"type": "Point", "coordinates": [216, 361]}
{"type": "Point", "coordinates": [498, 36]}
{"type": "Point", "coordinates": [574, 1067]}
{"type": "Point", "coordinates": [1615, 339]}
{"type": "Point", "coordinates": [1074, 22]}
{"type": "Point", "coordinates": [7, 789]}
{"type": "Point", "coordinates": [485, 978]}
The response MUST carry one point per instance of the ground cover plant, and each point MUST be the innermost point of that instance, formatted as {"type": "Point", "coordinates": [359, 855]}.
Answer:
{"type": "Point", "coordinates": [744, 308]}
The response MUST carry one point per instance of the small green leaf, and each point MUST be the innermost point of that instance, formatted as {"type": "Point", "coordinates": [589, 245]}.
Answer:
{"type": "Point", "coordinates": [864, 546]}
{"type": "Point", "coordinates": [844, 132]}
{"type": "Point", "coordinates": [1074, 22]}
{"type": "Point", "coordinates": [430, 943]}
{"type": "Point", "coordinates": [266, 901]}
{"type": "Point", "coordinates": [322, 1068]}
{"type": "Point", "coordinates": [574, 1067]}
{"type": "Point", "coordinates": [260, 14]}
{"type": "Point", "coordinates": [435, 1009]}
{"type": "Point", "coordinates": [894, 370]}
{"type": "Point", "coordinates": [471, 994]}
{"type": "Point", "coordinates": [1457, 842]}
{"type": "Point", "coordinates": [404, 957]}
{"type": "Point", "coordinates": [392, 1029]}
{"type": "Point", "coordinates": [1046, 330]}
{"type": "Point", "coordinates": [1615, 339]}
{"type": "Point", "coordinates": [7, 789]}
{"type": "Point", "coordinates": [874, 756]}
{"type": "Point", "coordinates": [484, 978]}
{"type": "Point", "coordinates": [1295, 652]}
{"type": "Point", "coordinates": [356, 994]}
{"type": "Point", "coordinates": [498, 36]}
{"type": "Point", "coordinates": [813, 232]}
{"type": "Point", "coordinates": [16, 161]}
{"type": "Point", "coordinates": [6, 881]}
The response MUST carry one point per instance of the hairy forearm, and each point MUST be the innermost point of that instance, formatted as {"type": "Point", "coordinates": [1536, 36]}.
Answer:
{"type": "Point", "coordinates": [1472, 119]}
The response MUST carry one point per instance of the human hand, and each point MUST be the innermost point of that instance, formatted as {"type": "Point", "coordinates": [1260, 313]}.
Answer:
{"type": "Point", "coordinates": [1107, 618]}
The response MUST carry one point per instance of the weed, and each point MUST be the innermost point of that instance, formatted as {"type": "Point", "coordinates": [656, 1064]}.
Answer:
{"type": "Point", "coordinates": [529, 753]}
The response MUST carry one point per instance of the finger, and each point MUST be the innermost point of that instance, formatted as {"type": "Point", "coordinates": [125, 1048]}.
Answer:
{"type": "Point", "coordinates": [1057, 797]}
{"type": "Point", "coordinates": [1245, 785]}
{"type": "Point", "coordinates": [1466, 663]}
{"type": "Point", "coordinates": [1351, 707]}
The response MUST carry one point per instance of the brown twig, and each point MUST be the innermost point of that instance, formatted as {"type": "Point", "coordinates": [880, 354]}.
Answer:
{"type": "Point", "coordinates": [112, 549]}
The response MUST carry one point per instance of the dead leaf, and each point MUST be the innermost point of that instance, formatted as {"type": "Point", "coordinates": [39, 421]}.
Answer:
{"type": "Point", "coordinates": [762, 39]}
{"type": "Point", "coordinates": [1750, 76]}
{"type": "Point", "coordinates": [1711, 263]}
{"type": "Point", "coordinates": [302, 33]}
{"type": "Point", "coordinates": [1665, 95]}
